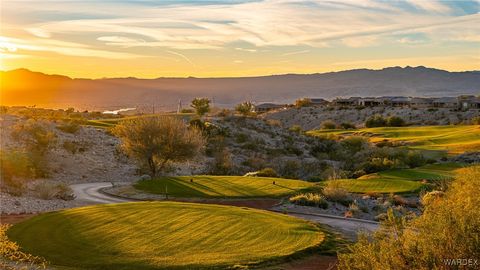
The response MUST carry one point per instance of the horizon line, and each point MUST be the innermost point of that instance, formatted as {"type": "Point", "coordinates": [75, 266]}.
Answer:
{"type": "Point", "coordinates": [234, 77]}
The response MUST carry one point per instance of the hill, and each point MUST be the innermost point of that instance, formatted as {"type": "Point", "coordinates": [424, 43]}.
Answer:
{"type": "Point", "coordinates": [24, 87]}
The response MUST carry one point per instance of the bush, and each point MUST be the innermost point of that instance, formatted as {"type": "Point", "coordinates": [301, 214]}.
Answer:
{"type": "Point", "coordinates": [395, 121]}
{"type": "Point", "coordinates": [267, 172]}
{"type": "Point", "coordinates": [69, 127]}
{"type": "Point", "coordinates": [376, 121]}
{"type": "Point", "coordinates": [347, 125]}
{"type": "Point", "coordinates": [12, 255]}
{"type": "Point", "coordinates": [47, 190]}
{"type": "Point", "coordinates": [447, 230]}
{"type": "Point", "coordinates": [334, 192]}
{"type": "Point", "coordinates": [310, 199]}
{"type": "Point", "coordinates": [303, 102]}
{"type": "Point", "coordinates": [296, 129]}
{"type": "Point", "coordinates": [70, 147]}
{"type": "Point", "coordinates": [14, 167]}
{"type": "Point", "coordinates": [432, 196]}
{"type": "Point", "coordinates": [328, 125]}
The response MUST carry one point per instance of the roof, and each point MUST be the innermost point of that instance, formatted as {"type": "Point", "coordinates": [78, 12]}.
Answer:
{"type": "Point", "coordinates": [269, 105]}
{"type": "Point", "coordinates": [445, 100]}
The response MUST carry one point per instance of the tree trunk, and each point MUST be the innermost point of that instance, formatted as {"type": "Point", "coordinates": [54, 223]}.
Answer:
{"type": "Point", "coordinates": [151, 165]}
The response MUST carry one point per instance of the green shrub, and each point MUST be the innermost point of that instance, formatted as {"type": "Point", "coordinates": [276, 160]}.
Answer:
{"type": "Point", "coordinates": [334, 192]}
{"type": "Point", "coordinates": [15, 166]}
{"type": "Point", "coordinates": [69, 127]}
{"type": "Point", "coordinates": [395, 121]}
{"type": "Point", "coordinates": [347, 125]}
{"type": "Point", "coordinates": [447, 230]}
{"type": "Point", "coordinates": [310, 199]}
{"type": "Point", "coordinates": [296, 129]}
{"type": "Point", "coordinates": [267, 172]}
{"type": "Point", "coordinates": [376, 121]}
{"type": "Point", "coordinates": [328, 125]}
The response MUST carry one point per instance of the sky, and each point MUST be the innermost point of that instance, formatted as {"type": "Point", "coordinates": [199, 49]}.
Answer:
{"type": "Point", "coordinates": [209, 38]}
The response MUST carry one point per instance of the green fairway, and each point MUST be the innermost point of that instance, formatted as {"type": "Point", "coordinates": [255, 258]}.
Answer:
{"type": "Point", "coordinates": [380, 185]}
{"type": "Point", "coordinates": [454, 139]}
{"type": "Point", "coordinates": [208, 186]}
{"type": "Point", "coordinates": [400, 180]}
{"type": "Point", "coordinates": [163, 235]}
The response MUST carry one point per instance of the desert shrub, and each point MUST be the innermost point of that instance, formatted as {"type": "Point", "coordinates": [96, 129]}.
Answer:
{"type": "Point", "coordinates": [475, 120]}
{"type": "Point", "coordinates": [289, 169]}
{"type": "Point", "coordinates": [376, 121]}
{"type": "Point", "coordinates": [310, 199]}
{"type": "Point", "coordinates": [378, 164]}
{"type": "Point", "coordinates": [69, 127]}
{"type": "Point", "coordinates": [267, 172]}
{"type": "Point", "coordinates": [70, 147]}
{"type": "Point", "coordinates": [296, 129]}
{"type": "Point", "coordinates": [48, 190]}
{"type": "Point", "coordinates": [222, 163]}
{"type": "Point", "coordinates": [303, 102]}
{"type": "Point", "coordinates": [10, 252]}
{"type": "Point", "coordinates": [328, 124]}
{"type": "Point", "coordinates": [201, 106]}
{"type": "Point", "coordinates": [447, 230]}
{"type": "Point", "coordinates": [241, 137]}
{"type": "Point", "coordinates": [37, 139]}
{"type": "Point", "coordinates": [415, 159]}
{"type": "Point", "coordinates": [347, 125]}
{"type": "Point", "coordinates": [14, 167]}
{"type": "Point", "coordinates": [245, 108]}
{"type": "Point", "coordinates": [334, 192]}
{"type": "Point", "coordinates": [395, 121]}
{"type": "Point", "coordinates": [432, 196]}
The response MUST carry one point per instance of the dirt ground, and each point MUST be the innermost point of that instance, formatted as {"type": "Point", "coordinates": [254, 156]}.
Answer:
{"type": "Point", "coordinates": [14, 218]}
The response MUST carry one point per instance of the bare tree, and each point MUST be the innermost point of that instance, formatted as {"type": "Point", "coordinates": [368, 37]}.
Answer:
{"type": "Point", "coordinates": [159, 141]}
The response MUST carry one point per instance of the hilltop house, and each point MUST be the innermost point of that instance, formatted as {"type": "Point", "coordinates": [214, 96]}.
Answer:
{"type": "Point", "coordinates": [351, 101]}
{"type": "Point", "coordinates": [265, 107]}
{"type": "Point", "coordinates": [468, 102]}
{"type": "Point", "coordinates": [369, 102]}
{"type": "Point", "coordinates": [419, 102]}
{"type": "Point", "coordinates": [445, 102]}
{"type": "Point", "coordinates": [318, 101]}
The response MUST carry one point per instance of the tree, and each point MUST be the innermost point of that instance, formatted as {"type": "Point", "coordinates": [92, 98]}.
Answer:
{"type": "Point", "coordinates": [201, 106]}
{"type": "Point", "coordinates": [245, 108]}
{"type": "Point", "coordinates": [37, 139]}
{"type": "Point", "coordinates": [395, 121]}
{"type": "Point", "coordinates": [156, 142]}
{"type": "Point", "coordinates": [303, 102]}
{"type": "Point", "coordinates": [375, 121]}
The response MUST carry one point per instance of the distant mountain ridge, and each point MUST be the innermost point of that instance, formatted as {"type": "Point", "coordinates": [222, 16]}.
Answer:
{"type": "Point", "coordinates": [25, 87]}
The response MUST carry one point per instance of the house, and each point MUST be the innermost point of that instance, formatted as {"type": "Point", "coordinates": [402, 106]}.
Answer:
{"type": "Point", "coordinates": [445, 102]}
{"type": "Point", "coordinates": [351, 101]}
{"type": "Point", "coordinates": [419, 102]}
{"type": "Point", "coordinates": [399, 101]}
{"type": "Point", "coordinates": [265, 107]}
{"type": "Point", "coordinates": [318, 101]}
{"type": "Point", "coordinates": [369, 102]}
{"type": "Point", "coordinates": [468, 102]}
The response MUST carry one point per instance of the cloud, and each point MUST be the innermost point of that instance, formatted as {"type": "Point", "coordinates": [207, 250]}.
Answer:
{"type": "Point", "coordinates": [296, 52]}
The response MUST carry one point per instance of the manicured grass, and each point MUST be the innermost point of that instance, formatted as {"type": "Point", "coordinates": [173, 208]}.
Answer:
{"type": "Point", "coordinates": [454, 139]}
{"type": "Point", "coordinates": [163, 235]}
{"type": "Point", "coordinates": [208, 186]}
{"type": "Point", "coordinates": [380, 185]}
{"type": "Point", "coordinates": [401, 180]}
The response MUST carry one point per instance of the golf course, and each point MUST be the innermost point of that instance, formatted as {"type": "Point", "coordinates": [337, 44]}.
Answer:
{"type": "Point", "coordinates": [209, 186]}
{"type": "Point", "coordinates": [163, 235]}
{"type": "Point", "coordinates": [400, 180]}
{"type": "Point", "coordinates": [453, 139]}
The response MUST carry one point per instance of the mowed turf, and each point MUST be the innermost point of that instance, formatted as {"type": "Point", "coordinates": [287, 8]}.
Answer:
{"type": "Point", "coordinates": [454, 139]}
{"type": "Point", "coordinates": [163, 235]}
{"type": "Point", "coordinates": [207, 186]}
{"type": "Point", "coordinates": [401, 180]}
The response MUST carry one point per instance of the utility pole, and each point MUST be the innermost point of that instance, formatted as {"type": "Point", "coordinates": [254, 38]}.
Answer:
{"type": "Point", "coordinates": [179, 108]}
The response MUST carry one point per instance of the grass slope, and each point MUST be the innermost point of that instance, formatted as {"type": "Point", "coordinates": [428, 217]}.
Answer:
{"type": "Point", "coordinates": [454, 139]}
{"type": "Point", "coordinates": [163, 235]}
{"type": "Point", "coordinates": [207, 186]}
{"type": "Point", "coordinates": [400, 180]}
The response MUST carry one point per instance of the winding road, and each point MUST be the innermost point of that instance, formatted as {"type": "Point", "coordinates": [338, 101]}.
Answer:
{"type": "Point", "coordinates": [90, 193]}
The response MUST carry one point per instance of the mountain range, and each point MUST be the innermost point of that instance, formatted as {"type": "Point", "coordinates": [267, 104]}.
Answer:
{"type": "Point", "coordinates": [28, 88]}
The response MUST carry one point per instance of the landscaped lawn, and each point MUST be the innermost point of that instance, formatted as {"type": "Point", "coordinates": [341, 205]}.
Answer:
{"type": "Point", "coordinates": [205, 186]}
{"type": "Point", "coordinates": [163, 235]}
{"type": "Point", "coordinates": [454, 139]}
{"type": "Point", "coordinates": [400, 180]}
{"type": "Point", "coordinates": [380, 185]}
